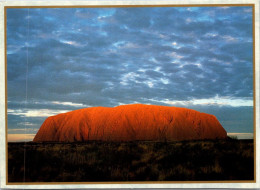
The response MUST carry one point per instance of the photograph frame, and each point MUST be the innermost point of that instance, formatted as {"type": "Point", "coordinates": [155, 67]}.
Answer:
{"type": "Point", "coordinates": [88, 4]}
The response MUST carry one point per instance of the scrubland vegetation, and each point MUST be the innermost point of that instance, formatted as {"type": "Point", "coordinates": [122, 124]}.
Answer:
{"type": "Point", "coordinates": [97, 161]}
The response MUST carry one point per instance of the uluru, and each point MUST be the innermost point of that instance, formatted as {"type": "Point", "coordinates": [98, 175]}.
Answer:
{"type": "Point", "coordinates": [130, 123]}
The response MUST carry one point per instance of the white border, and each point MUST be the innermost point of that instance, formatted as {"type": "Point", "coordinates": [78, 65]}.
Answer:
{"type": "Point", "coordinates": [2, 98]}
{"type": "Point", "coordinates": [116, 2]}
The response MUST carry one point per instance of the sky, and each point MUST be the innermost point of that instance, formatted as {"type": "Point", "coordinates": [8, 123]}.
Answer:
{"type": "Point", "coordinates": [62, 59]}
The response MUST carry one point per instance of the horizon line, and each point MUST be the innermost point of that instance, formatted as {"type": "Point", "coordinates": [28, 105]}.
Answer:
{"type": "Point", "coordinates": [16, 137]}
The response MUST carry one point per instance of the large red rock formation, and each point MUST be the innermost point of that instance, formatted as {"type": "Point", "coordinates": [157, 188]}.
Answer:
{"type": "Point", "coordinates": [130, 122]}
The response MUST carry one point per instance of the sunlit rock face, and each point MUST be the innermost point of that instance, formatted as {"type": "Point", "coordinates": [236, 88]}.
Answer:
{"type": "Point", "coordinates": [130, 123]}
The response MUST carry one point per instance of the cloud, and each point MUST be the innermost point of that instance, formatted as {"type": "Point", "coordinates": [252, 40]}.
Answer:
{"type": "Point", "coordinates": [22, 131]}
{"type": "Point", "coordinates": [35, 113]}
{"type": "Point", "coordinates": [241, 135]}
{"type": "Point", "coordinates": [73, 43]}
{"type": "Point", "coordinates": [68, 104]}
{"type": "Point", "coordinates": [20, 137]}
{"type": "Point", "coordinates": [217, 101]}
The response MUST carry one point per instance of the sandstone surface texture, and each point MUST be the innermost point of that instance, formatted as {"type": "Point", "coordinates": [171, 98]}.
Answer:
{"type": "Point", "coordinates": [130, 123]}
